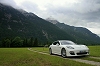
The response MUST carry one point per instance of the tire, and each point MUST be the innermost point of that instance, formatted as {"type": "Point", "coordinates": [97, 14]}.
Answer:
{"type": "Point", "coordinates": [63, 53]}
{"type": "Point", "coordinates": [50, 51]}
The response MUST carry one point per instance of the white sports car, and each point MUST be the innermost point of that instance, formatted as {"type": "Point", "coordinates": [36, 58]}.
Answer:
{"type": "Point", "coordinates": [67, 48]}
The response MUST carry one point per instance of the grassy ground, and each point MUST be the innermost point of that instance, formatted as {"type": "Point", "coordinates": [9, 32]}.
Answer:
{"type": "Point", "coordinates": [91, 59]}
{"type": "Point", "coordinates": [24, 57]}
{"type": "Point", "coordinates": [41, 49]}
{"type": "Point", "coordinates": [94, 51]}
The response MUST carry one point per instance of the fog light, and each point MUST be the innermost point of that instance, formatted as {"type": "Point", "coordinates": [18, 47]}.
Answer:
{"type": "Point", "coordinates": [72, 53]}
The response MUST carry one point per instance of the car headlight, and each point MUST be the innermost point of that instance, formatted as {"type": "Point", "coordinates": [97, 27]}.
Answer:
{"type": "Point", "coordinates": [86, 46]}
{"type": "Point", "coordinates": [69, 47]}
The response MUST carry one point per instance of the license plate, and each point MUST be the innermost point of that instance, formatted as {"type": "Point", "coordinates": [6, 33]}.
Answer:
{"type": "Point", "coordinates": [82, 51]}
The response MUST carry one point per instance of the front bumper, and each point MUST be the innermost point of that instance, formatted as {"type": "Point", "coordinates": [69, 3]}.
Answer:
{"type": "Point", "coordinates": [77, 52]}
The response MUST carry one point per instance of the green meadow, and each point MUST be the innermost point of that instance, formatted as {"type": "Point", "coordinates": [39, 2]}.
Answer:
{"type": "Point", "coordinates": [94, 51]}
{"type": "Point", "coordinates": [24, 57]}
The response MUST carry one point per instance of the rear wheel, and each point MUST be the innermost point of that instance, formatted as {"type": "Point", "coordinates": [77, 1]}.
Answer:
{"type": "Point", "coordinates": [63, 53]}
{"type": "Point", "coordinates": [50, 51]}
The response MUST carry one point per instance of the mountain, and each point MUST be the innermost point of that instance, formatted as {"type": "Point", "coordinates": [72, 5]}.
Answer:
{"type": "Point", "coordinates": [52, 20]}
{"type": "Point", "coordinates": [16, 22]}
{"type": "Point", "coordinates": [80, 34]}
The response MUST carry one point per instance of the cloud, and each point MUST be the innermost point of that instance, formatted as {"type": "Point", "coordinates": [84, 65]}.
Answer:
{"type": "Point", "coordinates": [9, 2]}
{"type": "Point", "coordinates": [95, 30]}
{"type": "Point", "coordinates": [84, 13]}
{"type": "Point", "coordinates": [84, 10]}
{"type": "Point", "coordinates": [29, 6]}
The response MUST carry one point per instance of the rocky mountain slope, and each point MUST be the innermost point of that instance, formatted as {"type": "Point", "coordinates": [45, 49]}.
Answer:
{"type": "Point", "coordinates": [81, 35]}
{"type": "Point", "coordinates": [15, 22]}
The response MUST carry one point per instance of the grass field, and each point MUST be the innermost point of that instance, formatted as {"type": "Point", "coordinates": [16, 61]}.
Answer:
{"type": "Point", "coordinates": [24, 57]}
{"type": "Point", "coordinates": [94, 51]}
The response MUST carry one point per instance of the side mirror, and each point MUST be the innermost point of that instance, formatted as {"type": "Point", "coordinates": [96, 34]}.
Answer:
{"type": "Point", "coordinates": [57, 44]}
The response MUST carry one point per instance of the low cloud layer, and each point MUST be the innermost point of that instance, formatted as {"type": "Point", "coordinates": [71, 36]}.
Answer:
{"type": "Point", "coordinates": [81, 13]}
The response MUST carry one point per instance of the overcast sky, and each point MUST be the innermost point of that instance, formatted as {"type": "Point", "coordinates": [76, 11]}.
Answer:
{"type": "Point", "coordinates": [80, 13]}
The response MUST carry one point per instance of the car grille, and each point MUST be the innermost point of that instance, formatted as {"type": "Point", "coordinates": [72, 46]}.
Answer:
{"type": "Point", "coordinates": [82, 53]}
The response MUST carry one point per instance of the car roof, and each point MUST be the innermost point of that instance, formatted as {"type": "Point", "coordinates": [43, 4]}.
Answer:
{"type": "Point", "coordinates": [63, 40]}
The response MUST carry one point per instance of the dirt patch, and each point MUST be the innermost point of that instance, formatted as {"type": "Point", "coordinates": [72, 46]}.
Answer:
{"type": "Point", "coordinates": [95, 57]}
{"type": "Point", "coordinates": [87, 61]}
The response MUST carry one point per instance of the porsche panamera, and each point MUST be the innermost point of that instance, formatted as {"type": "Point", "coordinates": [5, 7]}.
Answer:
{"type": "Point", "coordinates": [67, 48]}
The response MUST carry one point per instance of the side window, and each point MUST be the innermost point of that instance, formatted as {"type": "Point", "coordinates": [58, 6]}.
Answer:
{"type": "Point", "coordinates": [54, 43]}
{"type": "Point", "coordinates": [58, 43]}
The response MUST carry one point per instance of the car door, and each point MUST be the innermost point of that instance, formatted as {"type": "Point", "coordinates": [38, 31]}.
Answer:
{"type": "Point", "coordinates": [54, 47]}
{"type": "Point", "coordinates": [58, 48]}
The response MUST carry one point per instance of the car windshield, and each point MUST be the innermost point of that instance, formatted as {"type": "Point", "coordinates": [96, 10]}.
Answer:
{"type": "Point", "coordinates": [67, 43]}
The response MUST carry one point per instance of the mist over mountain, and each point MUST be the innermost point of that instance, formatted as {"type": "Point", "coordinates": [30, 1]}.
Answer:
{"type": "Point", "coordinates": [17, 22]}
{"type": "Point", "coordinates": [52, 20]}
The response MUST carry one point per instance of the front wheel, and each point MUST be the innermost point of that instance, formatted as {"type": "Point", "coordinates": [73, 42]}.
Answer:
{"type": "Point", "coordinates": [63, 53]}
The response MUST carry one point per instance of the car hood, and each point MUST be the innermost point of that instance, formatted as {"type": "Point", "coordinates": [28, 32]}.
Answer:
{"type": "Point", "coordinates": [77, 46]}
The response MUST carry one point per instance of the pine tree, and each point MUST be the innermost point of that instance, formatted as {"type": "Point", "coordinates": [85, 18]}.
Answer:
{"type": "Point", "coordinates": [7, 43]}
{"type": "Point", "coordinates": [25, 42]}
{"type": "Point", "coordinates": [17, 42]}
{"type": "Point", "coordinates": [35, 42]}
{"type": "Point", "coordinates": [31, 42]}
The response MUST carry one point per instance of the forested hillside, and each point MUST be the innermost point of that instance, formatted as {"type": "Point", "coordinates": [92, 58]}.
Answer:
{"type": "Point", "coordinates": [27, 27]}
{"type": "Point", "coordinates": [80, 34]}
{"type": "Point", "coordinates": [15, 23]}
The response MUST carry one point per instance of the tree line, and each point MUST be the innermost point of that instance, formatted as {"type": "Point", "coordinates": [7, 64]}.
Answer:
{"type": "Point", "coordinates": [18, 42]}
